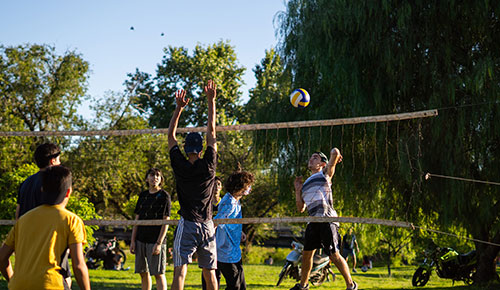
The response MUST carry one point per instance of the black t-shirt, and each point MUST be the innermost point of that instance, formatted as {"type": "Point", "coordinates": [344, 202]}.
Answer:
{"type": "Point", "coordinates": [194, 183]}
{"type": "Point", "coordinates": [30, 193]}
{"type": "Point", "coordinates": [349, 241]}
{"type": "Point", "coordinates": [151, 206]}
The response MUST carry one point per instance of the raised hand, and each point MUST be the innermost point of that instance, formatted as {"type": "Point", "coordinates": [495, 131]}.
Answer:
{"type": "Point", "coordinates": [210, 90]}
{"type": "Point", "coordinates": [180, 98]}
{"type": "Point", "coordinates": [335, 155]}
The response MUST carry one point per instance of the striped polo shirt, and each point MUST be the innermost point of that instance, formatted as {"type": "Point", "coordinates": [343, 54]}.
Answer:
{"type": "Point", "coordinates": [317, 194]}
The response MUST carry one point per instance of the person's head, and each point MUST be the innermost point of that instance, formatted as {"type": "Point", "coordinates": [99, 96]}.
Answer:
{"type": "Point", "coordinates": [239, 183]}
{"type": "Point", "coordinates": [154, 177]}
{"type": "Point", "coordinates": [350, 230]}
{"type": "Point", "coordinates": [47, 154]}
{"type": "Point", "coordinates": [56, 184]}
{"type": "Point", "coordinates": [317, 161]}
{"type": "Point", "coordinates": [193, 144]}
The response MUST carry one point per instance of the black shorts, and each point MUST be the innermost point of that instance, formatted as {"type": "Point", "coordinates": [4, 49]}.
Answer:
{"type": "Point", "coordinates": [322, 235]}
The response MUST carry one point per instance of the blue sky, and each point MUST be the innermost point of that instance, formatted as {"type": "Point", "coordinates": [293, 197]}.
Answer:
{"type": "Point", "coordinates": [100, 31]}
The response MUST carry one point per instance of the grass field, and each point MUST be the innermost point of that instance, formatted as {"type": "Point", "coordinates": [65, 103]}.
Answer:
{"type": "Point", "coordinates": [263, 277]}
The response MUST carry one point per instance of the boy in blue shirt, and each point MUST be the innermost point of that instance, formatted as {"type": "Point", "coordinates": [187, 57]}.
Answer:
{"type": "Point", "coordinates": [229, 236]}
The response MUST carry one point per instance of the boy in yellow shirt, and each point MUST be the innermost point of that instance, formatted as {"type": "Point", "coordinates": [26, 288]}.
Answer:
{"type": "Point", "coordinates": [41, 236]}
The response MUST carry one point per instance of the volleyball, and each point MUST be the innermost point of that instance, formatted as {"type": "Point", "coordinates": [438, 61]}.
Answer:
{"type": "Point", "coordinates": [300, 98]}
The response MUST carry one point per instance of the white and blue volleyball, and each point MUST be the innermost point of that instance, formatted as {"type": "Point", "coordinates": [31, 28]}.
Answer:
{"type": "Point", "coordinates": [300, 98]}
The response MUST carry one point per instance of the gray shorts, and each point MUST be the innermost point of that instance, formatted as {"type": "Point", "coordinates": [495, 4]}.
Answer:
{"type": "Point", "coordinates": [146, 262]}
{"type": "Point", "coordinates": [192, 237]}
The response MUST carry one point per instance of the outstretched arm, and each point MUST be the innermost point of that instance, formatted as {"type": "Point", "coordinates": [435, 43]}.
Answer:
{"type": "Point", "coordinates": [335, 158]}
{"type": "Point", "coordinates": [181, 102]}
{"type": "Point", "coordinates": [211, 92]}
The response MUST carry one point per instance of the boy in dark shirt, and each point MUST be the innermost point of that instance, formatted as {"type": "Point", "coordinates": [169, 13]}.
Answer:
{"type": "Point", "coordinates": [148, 243]}
{"type": "Point", "coordinates": [195, 179]}
{"type": "Point", "coordinates": [29, 195]}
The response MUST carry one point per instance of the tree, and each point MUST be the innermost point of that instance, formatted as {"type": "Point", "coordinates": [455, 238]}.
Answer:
{"type": "Point", "coordinates": [178, 70]}
{"type": "Point", "coordinates": [39, 90]}
{"type": "Point", "coordinates": [40, 87]}
{"type": "Point", "coordinates": [111, 169]}
{"type": "Point", "coordinates": [376, 58]}
{"type": "Point", "coordinates": [9, 186]}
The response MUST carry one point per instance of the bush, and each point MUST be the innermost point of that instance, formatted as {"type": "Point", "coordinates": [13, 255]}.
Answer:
{"type": "Point", "coordinates": [256, 255]}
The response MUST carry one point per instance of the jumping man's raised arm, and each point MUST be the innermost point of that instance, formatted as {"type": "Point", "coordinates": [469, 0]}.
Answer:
{"type": "Point", "coordinates": [335, 158]}
{"type": "Point", "coordinates": [211, 92]}
{"type": "Point", "coordinates": [181, 102]}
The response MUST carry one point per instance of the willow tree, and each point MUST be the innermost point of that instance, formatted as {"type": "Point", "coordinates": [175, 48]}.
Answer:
{"type": "Point", "coordinates": [376, 57]}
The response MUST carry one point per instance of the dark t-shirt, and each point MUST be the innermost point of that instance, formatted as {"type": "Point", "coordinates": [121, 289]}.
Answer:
{"type": "Point", "coordinates": [194, 183]}
{"type": "Point", "coordinates": [349, 241]}
{"type": "Point", "coordinates": [30, 193]}
{"type": "Point", "coordinates": [151, 206]}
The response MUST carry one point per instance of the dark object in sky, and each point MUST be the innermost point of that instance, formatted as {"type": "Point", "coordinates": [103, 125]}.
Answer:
{"type": "Point", "coordinates": [131, 28]}
{"type": "Point", "coordinates": [162, 34]}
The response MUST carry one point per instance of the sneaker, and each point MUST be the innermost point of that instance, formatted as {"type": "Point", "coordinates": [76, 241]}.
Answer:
{"type": "Point", "coordinates": [298, 287]}
{"type": "Point", "coordinates": [354, 286]}
{"type": "Point", "coordinates": [354, 270]}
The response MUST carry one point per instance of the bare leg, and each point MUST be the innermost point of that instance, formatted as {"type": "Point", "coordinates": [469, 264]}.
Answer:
{"type": "Point", "coordinates": [341, 264]}
{"type": "Point", "coordinates": [146, 282]}
{"type": "Point", "coordinates": [161, 282]}
{"type": "Point", "coordinates": [353, 260]}
{"type": "Point", "coordinates": [179, 277]}
{"type": "Point", "coordinates": [210, 278]}
{"type": "Point", "coordinates": [307, 260]}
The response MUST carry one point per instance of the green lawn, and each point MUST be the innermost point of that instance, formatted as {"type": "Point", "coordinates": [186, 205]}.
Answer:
{"type": "Point", "coordinates": [264, 277]}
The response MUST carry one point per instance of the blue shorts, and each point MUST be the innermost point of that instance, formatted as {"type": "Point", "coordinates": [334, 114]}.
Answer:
{"type": "Point", "coordinates": [193, 237]}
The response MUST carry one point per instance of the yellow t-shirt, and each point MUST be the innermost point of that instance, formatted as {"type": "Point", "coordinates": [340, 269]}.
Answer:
{"type": "Point", "coordinates": [39, 239]}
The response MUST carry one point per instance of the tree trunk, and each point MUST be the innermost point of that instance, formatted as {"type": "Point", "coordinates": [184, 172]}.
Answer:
{"type": "Point", "coordinates": [389, 264]}
{"type": "Point", "coordinates": [486, 268]}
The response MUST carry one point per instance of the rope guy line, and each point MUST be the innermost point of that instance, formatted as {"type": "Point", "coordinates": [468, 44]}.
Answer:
{"type": "Point", "coordinates": [247, 127]}
{"type": "Point", "coordinates": [429, 175]}
{"type": "Point", "coordinates": [457, 236]}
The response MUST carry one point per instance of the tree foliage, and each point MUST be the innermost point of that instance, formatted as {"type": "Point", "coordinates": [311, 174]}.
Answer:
{"type": "Point", "coordinates": [39, 90]}
{"type": "Point", "coordinates": [40, 87]}
{"type": "Point", "coordinates": [9, 187]}
{"type": "Point", "coordinates": [178, 70]}
{"type": "Point", "coordinates": [110, 170]}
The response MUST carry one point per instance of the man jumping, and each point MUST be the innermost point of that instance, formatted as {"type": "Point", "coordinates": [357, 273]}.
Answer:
{"type": "Point", "coordinates": [316, 195]}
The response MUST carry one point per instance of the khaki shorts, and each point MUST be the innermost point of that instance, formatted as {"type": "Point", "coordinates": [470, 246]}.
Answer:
{"type": "Point", "coordinates": [146, 262]}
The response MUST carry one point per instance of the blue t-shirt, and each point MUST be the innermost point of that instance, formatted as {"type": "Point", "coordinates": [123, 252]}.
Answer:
{"type": "Point", "coordinates": [228, 236]}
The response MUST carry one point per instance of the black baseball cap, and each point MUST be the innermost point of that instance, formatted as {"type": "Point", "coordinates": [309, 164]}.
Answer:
{"type": "Point", "coordinates": [322, 156]}
{"type": "Point", "coordinates": [193, 143]}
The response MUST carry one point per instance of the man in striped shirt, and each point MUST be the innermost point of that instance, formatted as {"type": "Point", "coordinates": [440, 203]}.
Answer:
{"type": "Point", "coordinates": [316, 195]}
